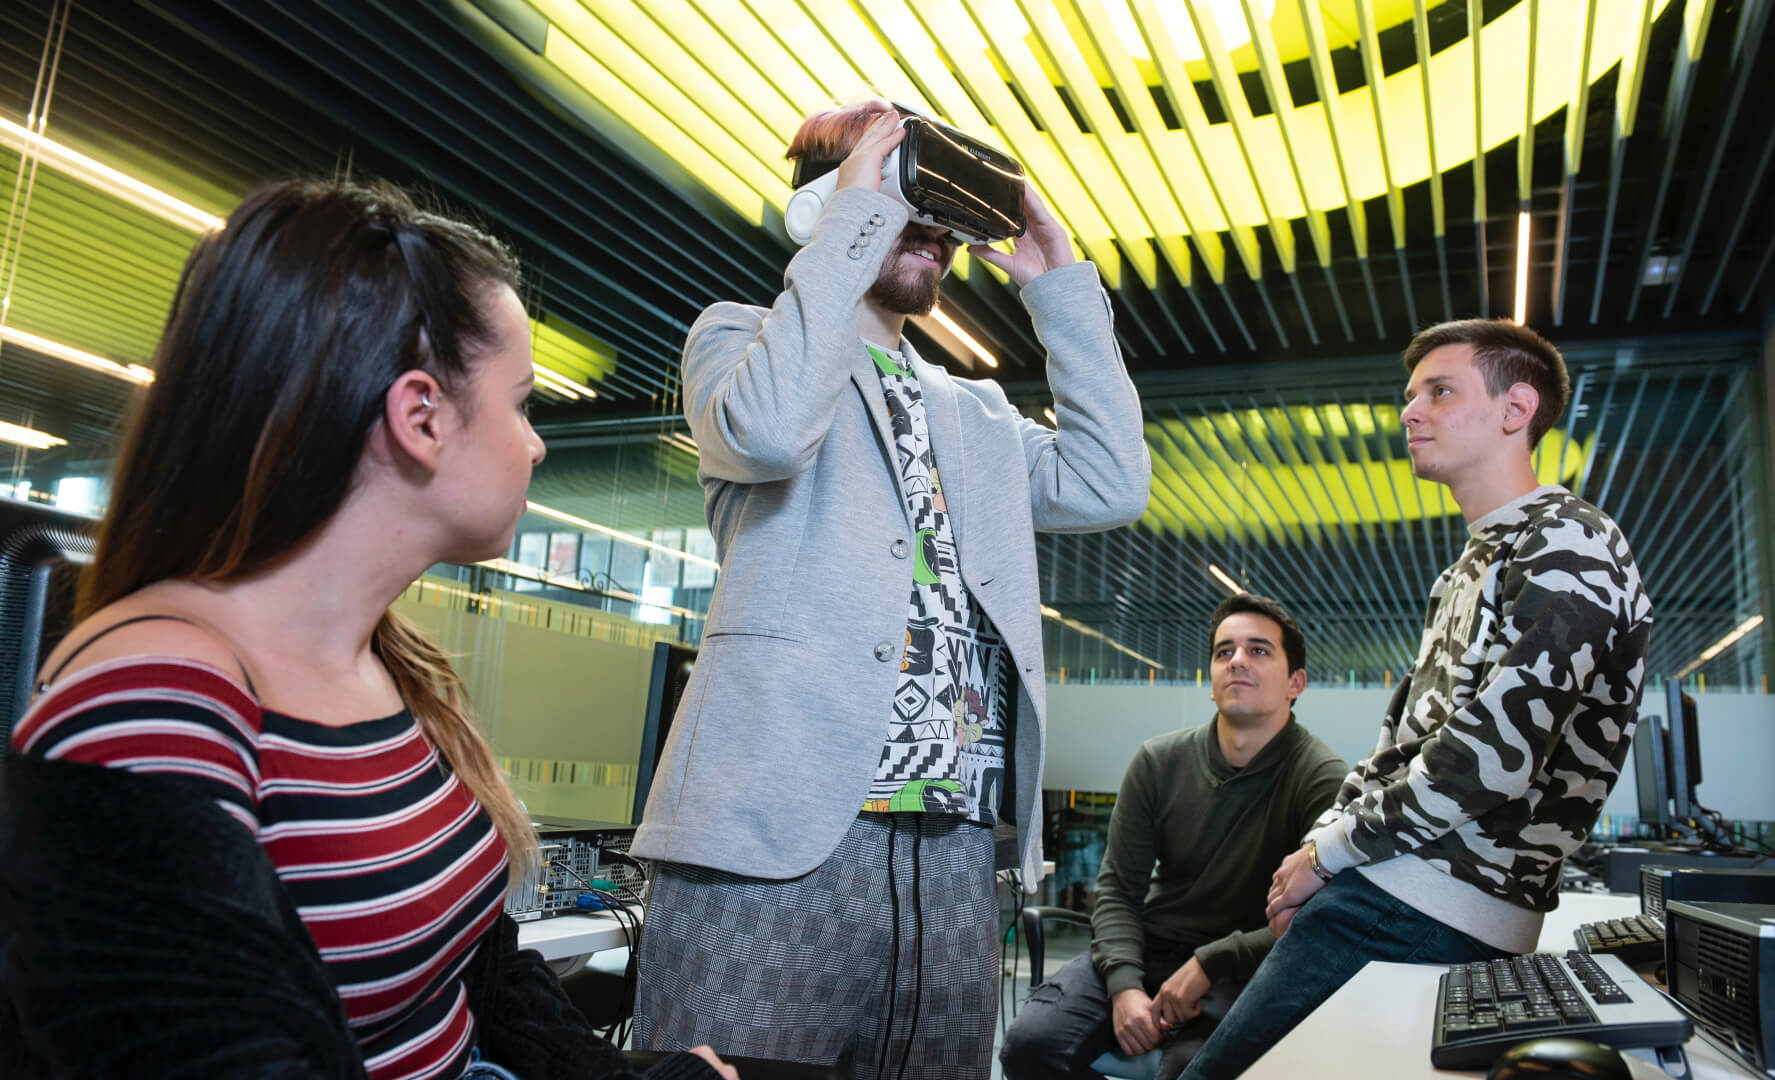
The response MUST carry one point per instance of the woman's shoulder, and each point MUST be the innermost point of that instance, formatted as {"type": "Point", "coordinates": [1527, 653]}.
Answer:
{"type": "Point", "coordinates": [161, 623]}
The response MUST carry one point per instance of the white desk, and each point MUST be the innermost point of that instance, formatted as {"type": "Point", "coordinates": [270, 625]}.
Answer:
{"type": "Point", "coordinates": [1378, 1023]}
{"type": "Point", "coordinates": [575, 935]}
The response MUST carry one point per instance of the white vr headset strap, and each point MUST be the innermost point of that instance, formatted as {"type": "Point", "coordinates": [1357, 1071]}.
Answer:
{"type": "Point", "coordinates": [803, 211]}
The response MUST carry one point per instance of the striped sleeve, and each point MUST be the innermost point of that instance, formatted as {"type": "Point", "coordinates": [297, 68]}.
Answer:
{"type": "Point", "coordinates": [154, 715]}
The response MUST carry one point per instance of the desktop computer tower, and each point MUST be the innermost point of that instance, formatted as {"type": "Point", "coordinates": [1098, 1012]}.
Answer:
{"type": "Point", "coordinates": [1720, 958]}
{"type": "Point", "coordinates": [579, 859]}
{"type": "Point", "coordinates": [1660, 884]}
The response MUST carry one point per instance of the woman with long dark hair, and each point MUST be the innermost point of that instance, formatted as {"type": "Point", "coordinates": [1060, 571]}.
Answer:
{"type": "Point", "coordinates": [251, 827]}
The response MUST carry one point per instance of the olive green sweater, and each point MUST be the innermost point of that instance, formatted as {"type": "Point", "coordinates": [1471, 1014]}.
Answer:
{"type": "Point", "coordinates": [1217, 834]}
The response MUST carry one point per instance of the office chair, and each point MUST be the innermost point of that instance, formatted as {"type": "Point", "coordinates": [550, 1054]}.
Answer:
{"type": "Point", "coordinates": [40, 549]}
{"type": "Point", "coordinates": [1112, 1062]}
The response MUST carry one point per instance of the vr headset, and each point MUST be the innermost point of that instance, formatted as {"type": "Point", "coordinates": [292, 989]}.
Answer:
{"type": "Point", "coordinates": [946, 178]}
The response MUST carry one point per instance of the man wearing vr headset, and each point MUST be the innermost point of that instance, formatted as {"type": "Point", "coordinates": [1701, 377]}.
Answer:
{"type": "Point", "coordinates": [868, 700]}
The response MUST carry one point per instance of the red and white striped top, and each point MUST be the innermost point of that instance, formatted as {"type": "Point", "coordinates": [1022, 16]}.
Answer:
{"type": "Point", "coordinates": [394, 866]}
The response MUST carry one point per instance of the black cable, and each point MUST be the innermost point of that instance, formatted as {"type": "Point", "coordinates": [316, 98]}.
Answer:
{"type": "Point", "coordinates": [917, 950]}
{"type": "Point", "coordinates": [893, 952]}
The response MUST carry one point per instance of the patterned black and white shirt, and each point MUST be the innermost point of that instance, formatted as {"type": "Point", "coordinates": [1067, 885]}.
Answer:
{"type": "Point", "coordinates": [1499, 749]}
{"type": "Point", "coordinates": [945, 746]}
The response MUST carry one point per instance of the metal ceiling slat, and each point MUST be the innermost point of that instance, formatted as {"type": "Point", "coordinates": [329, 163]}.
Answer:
{"type": "Point", "coordinates": [1238, 319]}
{"type": "Point", "coordinates": [1106, 175]}
{"type": "Point", "coordinates": [1396, 537]}
{"type": "Point", "coordinates": [1420, 26]}
{"type": "Point", "coordinates": [1475, 34]}
{"type": "Point", "coordinates": [1181, 93]}
{"type": "Point", "coordinates": [1635, 496]}
{"type": "Point", "coordinates": [1275, 86]}
{"type": "Point", "coordinates": [1752, 201]}
{"type": "Point", "coordinates": [1263, 294]}
{"type": "Point", "coordinates": [1756, 277]}
{"type": "Point", "coordinates": [1627, 433]}
{"type": "Point", "coordinates": [1753, 19]}
{"type": "Point", "coordinates": [1301, 444]}
{"type": "Point", "coordinates": [1683, 438]}
{"type": "Point", "coordinates": [1300, 302]}
{"type": "Point", "coordinates": [956, 86]}
{"type": "Point", "coordinates": [1195, 299]}
{"type": "Point", "coordinates": [1676, 109]}
{"type": "Point", "coordinates": [1628, 86]}
{"type": "Point", "coordinates": [1374, 302]}
{"type": "Point", "coordinates": [1325, 81]}
{"type": "Point", "coordinates": [780, 67]}
{"type": "Point", "coordinates": [1337, 300]}
{"type": "Point", "coordinates": [1174, 167]}
{"type": "Point", "coordinates": [1238, 112]}
{"type": "Point", "coordinates": [1411, 304]}
{"type": "Point", "coordinates": [1370, 51]}
{"type": "Point", "coordinates": [1562, 237]}
{"type": "Point", "coordinates": [1525, 139]}
{"type": "Point", "coordinates": [1598, 434]}
{"type": "Point", "coordinates": [1164, 216]}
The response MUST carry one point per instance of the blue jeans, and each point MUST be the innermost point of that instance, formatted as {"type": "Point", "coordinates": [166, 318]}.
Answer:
{"type": "Point", "coordinates": [1345, 925]}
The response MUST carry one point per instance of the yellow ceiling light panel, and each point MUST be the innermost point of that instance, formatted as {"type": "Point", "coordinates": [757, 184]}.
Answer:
{"type": "Point", "coordinates": [99, 175]}
{"type": "Point", "coordinates": [664, 37]}
{"type": "Point", "coordinates": [1237, 206]}
{"type": "Point", "coordinates": [643, 75]}
{"type": "Point", "coordinates": [1061, 189]}
{"type": "Point", "coordinates": [1371, 66]}
{"type": "Point", "coordinates": [1697, 15]}
{"type": "Point", "coordinates": [1302, 472]}
{"type": "Point", "coordinates": [1585, 17]}
{"type": "Point", "coordinates": [1637, 28]}
{"type": "Point", "coordinates": [1420, 32]}
{"type": "Point", "coordinates": [639, 114]}
{"type": "Point", "coordinates": [1169, 150]}
{"type": "Point", "coordinates": [781, 68]}
{"type": "Point", "coordinates": [1275, 86]}
{"type": "Point", "coordinates": [803, 38]}
{"type": "Point", "coordinates": [1100, 172]}
{"type": "Point", "coordinates": [851, 36]}
{"type": "Point", "coordinates": [1338, 141]}
{"type": "Point", "coordinates": [1065, 55]}
{"type": "Point", "coordinates": [1207, 18]}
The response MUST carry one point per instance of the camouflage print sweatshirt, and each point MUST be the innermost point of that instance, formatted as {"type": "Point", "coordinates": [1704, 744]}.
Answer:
{"type": "Point", "coordinates": [1500, 747]}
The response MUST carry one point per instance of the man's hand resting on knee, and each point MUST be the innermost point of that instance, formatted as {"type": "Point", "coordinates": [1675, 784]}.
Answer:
{"type": "Point", "coordinates": [1136, 1030]}
{"type": "Point", "coordinates": [1180, 999]}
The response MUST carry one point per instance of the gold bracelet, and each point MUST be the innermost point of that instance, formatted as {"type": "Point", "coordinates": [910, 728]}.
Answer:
{"type": "Point", "coordinates": [1313, 861]}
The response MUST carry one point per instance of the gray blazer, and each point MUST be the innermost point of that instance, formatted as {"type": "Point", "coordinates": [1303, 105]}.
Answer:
{"type": "Point", "coordinates": [778, 735]}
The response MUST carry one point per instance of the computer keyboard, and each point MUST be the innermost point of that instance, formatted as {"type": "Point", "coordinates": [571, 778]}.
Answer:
{"type": "Point", "coordinates": [1484, 1009]}
{"type": "Point", "coordinates": [1636, 939]}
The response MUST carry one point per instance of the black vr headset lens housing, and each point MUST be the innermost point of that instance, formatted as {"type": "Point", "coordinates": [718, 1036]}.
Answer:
{"type": "Point", "coordinates": [947, 178]}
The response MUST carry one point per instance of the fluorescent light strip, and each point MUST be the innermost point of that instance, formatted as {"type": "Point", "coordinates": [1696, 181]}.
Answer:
{"type": "Point", "coordinates": [135, 373]}
{"type": "Point", "coordinates": [1074, 624]}
{"type": "Point", "coordinates": [621, 537]}
{"type": "Point", "coordinates": [1052, 419]}
{"type": "Point", "coordinates": [31, 437]}
{"type": "Point", "coordinates": [1221, 576]}
{"type": "Point", "coordinates": [964, 337]}
{"type": "Point", "coordinates": [559, 581]}
{"type": "Point", "coordinates": [551, 380]}
{"type": "Point", "coordinates": [107, 179]}
{"type": "Point", "coordinates": [1522, 243]}
{"type": "Point", "coordinates": [1721, 645]}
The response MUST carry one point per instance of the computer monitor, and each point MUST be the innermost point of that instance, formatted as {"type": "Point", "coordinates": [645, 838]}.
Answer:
{"type": "Point", "coordinates": [671, 673]}
{"type": "Point", "coordinates": [41, 552]}
{"type": "Point", "coordinates": [1683, 763]}
{"type": "Point", "coordinates": [1650, 775]}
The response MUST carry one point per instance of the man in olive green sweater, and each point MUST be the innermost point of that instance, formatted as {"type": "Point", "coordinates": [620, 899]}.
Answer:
{"type": "Point", "coordinates": [1215, 807]}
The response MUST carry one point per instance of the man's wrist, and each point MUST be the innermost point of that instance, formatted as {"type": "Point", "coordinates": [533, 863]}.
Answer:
{"type": "Point", "coordinates": [1319, 871]}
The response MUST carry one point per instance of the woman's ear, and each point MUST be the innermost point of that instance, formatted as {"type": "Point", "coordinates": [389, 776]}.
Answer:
{"type": "Point", "coordinates": [410, 412]}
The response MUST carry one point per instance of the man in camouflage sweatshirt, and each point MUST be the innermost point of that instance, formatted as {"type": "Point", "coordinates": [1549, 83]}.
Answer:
{"type": "Point", "coordinates": [1498, 750]}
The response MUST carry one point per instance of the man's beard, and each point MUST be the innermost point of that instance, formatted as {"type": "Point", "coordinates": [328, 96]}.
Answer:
{"type": "Point", "coordinates": [906, 294]}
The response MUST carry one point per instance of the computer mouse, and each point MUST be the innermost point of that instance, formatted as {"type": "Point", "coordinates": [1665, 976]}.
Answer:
{"type": "Point", "coordinates": [1560, 1059]}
